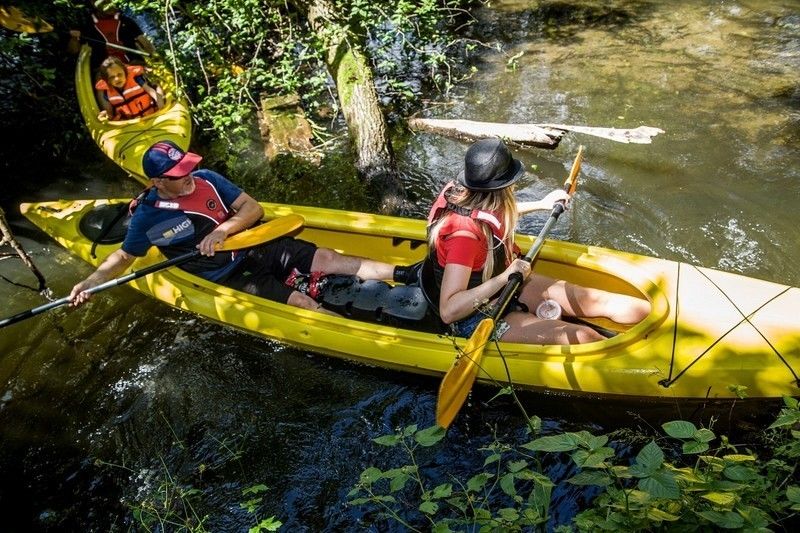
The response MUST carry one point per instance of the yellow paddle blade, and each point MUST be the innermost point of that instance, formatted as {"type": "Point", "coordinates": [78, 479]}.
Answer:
{"type": "Point", "coordinates": [572, 180]}
{"type": "Point", "coordinates": [263, 233]}
{"type": "Point", "coordinates": [15, 20]}
{"type": "Point", "coordinates": [459, 379]}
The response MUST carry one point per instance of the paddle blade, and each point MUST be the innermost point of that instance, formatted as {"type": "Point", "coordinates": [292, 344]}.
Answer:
{"type": "Point", "coordinates": [572, 180]}
{"type": "Point", "coordinates": [263, 233]}
{"type": "Point", "coordinates": [459, 379]}
{"type": "Point", "coordinates": [15, 20]}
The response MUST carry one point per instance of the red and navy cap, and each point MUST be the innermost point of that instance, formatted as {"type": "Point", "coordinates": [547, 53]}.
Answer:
{"type": "Point", "coordinates": [167, 159]}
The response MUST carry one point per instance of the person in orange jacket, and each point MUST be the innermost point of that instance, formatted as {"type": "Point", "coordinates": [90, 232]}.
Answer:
{"type": "Point", "coordinates": [124, 93]}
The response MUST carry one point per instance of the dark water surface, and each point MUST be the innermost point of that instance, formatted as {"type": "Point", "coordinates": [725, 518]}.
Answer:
{"type": "Point", "coordinates": [122, 401]}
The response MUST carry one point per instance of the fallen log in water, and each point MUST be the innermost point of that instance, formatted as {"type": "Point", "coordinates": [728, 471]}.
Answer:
{"type": "Point", "coordinates": [539, 135]}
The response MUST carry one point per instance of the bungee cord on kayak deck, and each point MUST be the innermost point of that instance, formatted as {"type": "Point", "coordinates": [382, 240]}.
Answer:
{"type": "Point", "coordinates": [745, 318]}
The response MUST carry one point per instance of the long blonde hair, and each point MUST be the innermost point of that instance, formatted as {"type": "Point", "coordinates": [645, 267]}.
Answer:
{"type": "Point", "coordinates": [501, 203]}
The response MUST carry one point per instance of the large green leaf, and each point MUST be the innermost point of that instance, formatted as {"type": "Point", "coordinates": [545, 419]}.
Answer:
{"type": "Point", "coordinates": [679, 429]}
{"type": "Point", "coordinates": [648, 460]}
{"type": "Point", "coordinates": [553, 443]}
{"type": "Point", "coordinates": [592, 477]}
{"type": "Point", "coordinates": [661, 484]}
{"type": "Point", "coordinates": [727, 520]}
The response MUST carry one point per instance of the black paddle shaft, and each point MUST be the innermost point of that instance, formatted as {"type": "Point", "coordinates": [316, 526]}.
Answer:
{"type": "Point", "coordinates": [515, 280]}
{"type": "Point", "coordinates": [103, 286]}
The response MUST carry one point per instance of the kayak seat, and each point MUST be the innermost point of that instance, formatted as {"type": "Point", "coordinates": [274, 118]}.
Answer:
{"type": "Point", "coordinates": [106, 224]}
{"type": "Point", "coordinates": [377, 301]}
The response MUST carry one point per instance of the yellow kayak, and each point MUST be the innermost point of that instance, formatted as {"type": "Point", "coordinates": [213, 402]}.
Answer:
{"type": "Point", "coordinates": [708, 333]}
{"type": "Point", "coordinates": [125, 141]}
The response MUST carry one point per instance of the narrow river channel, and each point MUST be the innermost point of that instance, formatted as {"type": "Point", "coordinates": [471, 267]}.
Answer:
{"type": "Point", "coordinates": [112, 405]}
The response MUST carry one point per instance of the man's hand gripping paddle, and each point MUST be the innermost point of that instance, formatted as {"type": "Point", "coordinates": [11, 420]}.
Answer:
{"type": "Point", "coordinates": [245, 239]}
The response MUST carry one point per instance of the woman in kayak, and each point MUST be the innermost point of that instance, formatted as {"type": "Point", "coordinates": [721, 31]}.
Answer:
{"type": "Point", "coordinates": [472, 254]}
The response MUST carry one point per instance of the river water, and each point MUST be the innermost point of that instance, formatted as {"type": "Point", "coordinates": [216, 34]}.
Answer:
{"type": "Point", "coordinates": [119, 403]}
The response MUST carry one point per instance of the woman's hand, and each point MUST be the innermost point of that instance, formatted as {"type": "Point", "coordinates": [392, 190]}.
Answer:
{"type": "Point", "coordinates": [558, 195]}
{"type": "Point", "coordinates": [517, 265]}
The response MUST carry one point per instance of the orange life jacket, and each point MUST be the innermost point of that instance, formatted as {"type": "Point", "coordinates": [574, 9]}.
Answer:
{"type": "Point", "coordinates": [133, 101]}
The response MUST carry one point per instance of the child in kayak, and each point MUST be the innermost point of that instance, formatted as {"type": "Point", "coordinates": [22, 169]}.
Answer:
{"type": "Point", "coordinates": [124, 93]}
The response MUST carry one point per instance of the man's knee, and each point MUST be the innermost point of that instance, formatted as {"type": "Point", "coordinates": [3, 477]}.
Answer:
{"type": "Point", "coordinates": [298, 299]}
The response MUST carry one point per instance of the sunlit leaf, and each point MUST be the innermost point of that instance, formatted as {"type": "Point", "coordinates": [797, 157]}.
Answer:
{"type": "Point", "coordinates": [679, 429]}
{"type": "Point", "coordinates": [722, 499]}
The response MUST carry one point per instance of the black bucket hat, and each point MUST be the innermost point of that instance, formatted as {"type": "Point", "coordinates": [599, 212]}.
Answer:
{"type": "Point", "coordinates": [489, 166]}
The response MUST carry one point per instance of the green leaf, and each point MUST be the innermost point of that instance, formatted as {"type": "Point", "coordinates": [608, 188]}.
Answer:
{"type": "Point", "coordinates": [791, 403]}
{"type": "Point", "coordinates": [739, 458]}
{"type": "Point", "coordinates": [445, 490]}
{"type": "Point", "coordinates": [507, 484]}
{"type": "Point", "coordinates": [727, 519]}
{"type": "Point", "coordinates": [704, 435]}
{"type": "Point", "coordinates": [649, 459]}
{"type": "Point", "coordinates": [429, 436]}
{"type": "Point", "coordinates": [661, 484]}
{"type": "Point", "coordinates": [592, 477]}
{"type": "Point", "coordinates": [516, 466]}
{"type": "Point", "coordinates": [429, 507]}
{"type": "Point", "coordinates": [598, 458]}
{"type": "Point", "coordinates": [679, 429]}
{"type": "Point", "coordinates": [658, 515]}
{"type": "Point", "coordinates": [739, 472]}
{"type": "Point", "coordinates": [398, 483]}
{"type": "Point", "coordinates": [793, 493]}
{"type": "Point", "coordinates": [492, 459]}
{"type": "Point", "coordinates": [478, 481]}
{"type": "Point", "coordinates": [722, 499]}
{"type": "Point", "coordinates": [388, 440]}
{"type": "Point", "coordinates": [370, 475]}
{"type": "Point", "coordinates": [694, 446]}
{"type": "Point", "coordinates": [409, 430]}
{"type": "Point", "coordinates": [786, 418]}
{"type": "Point", "coordinates": [509, 514]}
{"type": "Point", "coordinates": [552, 443]}
{"type": "Point", "coordinates": [255, 489]}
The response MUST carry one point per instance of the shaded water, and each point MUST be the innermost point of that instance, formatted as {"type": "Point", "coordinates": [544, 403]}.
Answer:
{"type": "Point", "coordinates": [103, 407]}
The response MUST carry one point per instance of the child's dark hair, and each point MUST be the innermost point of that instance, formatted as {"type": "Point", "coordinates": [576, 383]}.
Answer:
{"type": "Point", "coordinates": [110, 61]}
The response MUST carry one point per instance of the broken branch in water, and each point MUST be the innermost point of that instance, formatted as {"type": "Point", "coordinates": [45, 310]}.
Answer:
{"type": "Point", "coordinates": [539, 135]}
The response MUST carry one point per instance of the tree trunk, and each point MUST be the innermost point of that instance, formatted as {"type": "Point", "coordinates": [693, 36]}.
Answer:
{"type": "Point", "coordinates": [369, 133]}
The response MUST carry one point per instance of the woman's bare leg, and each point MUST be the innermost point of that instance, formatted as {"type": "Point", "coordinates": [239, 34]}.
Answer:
{"type": "Point", "coordinates": [529, 329]}
{"type": "Point", "coordinates": [580, 301]}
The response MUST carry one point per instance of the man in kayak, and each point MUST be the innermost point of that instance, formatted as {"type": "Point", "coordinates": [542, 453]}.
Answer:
{"type": "Point", "coordinates": [105, 29]}
{"type": "Point", "coordinates": [472, 254]}
{"type": "Point", "coordinates": [188, 208]}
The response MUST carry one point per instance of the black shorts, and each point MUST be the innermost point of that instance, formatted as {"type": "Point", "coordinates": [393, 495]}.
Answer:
{"type": "Point", "coordinates": [264, 269]}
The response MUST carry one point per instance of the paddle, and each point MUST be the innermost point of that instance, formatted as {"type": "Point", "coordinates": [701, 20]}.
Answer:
{"type": "Point", "coordinates": [459, 379]}
{"type": "Point", "coordinates": [15, 20]}
{"type": "Point", "coordinates": [245, 239]}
